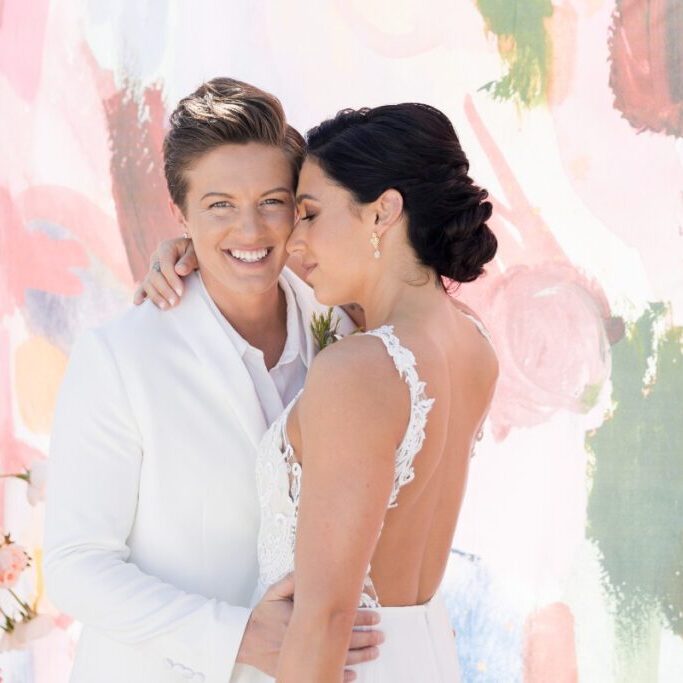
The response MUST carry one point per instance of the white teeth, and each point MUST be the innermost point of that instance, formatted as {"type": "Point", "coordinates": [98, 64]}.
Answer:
{"type": "Point", "coordinates": [249, 256]}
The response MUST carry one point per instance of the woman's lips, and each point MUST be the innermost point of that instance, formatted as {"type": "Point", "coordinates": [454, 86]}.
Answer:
{"type": "Point", "coordinates": [247, 255]}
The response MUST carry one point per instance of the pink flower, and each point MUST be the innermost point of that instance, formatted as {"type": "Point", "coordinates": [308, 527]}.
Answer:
{"type": "Point", "coordinates": [26, 631]}
{"type": "Point", "coordinates": [13, 561]}
{"type": "Point", "coordinates": [551, 327]}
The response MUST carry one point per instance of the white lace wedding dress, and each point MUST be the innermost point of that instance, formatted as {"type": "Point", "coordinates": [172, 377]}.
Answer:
{"type": "Point", "coordinates": [419, 645]}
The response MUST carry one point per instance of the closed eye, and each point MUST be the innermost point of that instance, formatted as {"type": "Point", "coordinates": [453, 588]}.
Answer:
{"type": "Point", "coordinates": [309, 217]}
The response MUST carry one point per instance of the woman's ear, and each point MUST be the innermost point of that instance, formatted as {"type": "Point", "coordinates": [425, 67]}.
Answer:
{"type": "Point", "coordinates": [388, 210]}
{"type": "Point", "coordinates": [177, 213]}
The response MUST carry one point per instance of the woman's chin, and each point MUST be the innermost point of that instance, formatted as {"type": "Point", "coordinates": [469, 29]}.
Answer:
{"type": "Point", "coordinates": [325, 297]}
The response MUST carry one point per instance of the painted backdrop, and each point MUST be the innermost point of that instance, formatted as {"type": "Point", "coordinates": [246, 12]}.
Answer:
{"type": "Point", "coordinates": [567, 561]}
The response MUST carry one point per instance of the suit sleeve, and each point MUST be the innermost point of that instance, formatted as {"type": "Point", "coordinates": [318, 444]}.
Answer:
{"type": "Point", "coordinates": [94, 468]}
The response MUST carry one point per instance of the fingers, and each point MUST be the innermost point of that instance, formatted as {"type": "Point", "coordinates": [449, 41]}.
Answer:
{"type": "Point", "coordinates": [159, 282]}
{"type": "Point", "coordinates": [282, 589]}
{"type": "Point", "coordinates": [153, 294]}
{"type": "Point", "coordinates": [349, 675]}
{"type": "Point", "coordinates": [188, 261]}
{"type": "Point", "coordinates": [168, 256]}
{"type": "Point", "coordinates": [360, 656]}
{"type": "Point", "coordinates": [363, 639]}
{"type": "Point", "coordinates": [140, 295]}
{"type": "Point", "coordinates": [366, 617]}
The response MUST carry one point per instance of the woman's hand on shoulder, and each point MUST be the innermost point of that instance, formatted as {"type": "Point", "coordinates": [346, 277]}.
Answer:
{"type": "Point", "coordinates": [163, 283]}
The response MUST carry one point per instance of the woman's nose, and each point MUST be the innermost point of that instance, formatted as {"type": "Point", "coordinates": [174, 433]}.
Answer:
{"type": "Point", "coordinates": [251, 224]}
{"type": "Point", "coordinates": [295, 243]}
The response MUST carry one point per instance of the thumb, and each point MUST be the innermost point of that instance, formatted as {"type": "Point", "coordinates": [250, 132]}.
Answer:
{"type": "Point", "coordinates": [282, 589]}
{"type": "Point", "coordinates": [188, 261]}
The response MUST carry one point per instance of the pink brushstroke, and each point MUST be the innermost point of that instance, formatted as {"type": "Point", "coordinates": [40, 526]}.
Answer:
{"type": "Point", "coordinates": [549, 646]}
{"type": "Point", "coordinates": [548, 321]}
{"type": "Point", "coordinates": [82, 218]}
{"type": "Point", "coordinates": [33, 260]}
{"type": "Point", "coordinates": [22, 34]}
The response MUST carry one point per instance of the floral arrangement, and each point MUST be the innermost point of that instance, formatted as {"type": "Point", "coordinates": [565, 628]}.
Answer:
{"type": "Point", "coordinates": [24, 623]}
{"type": "Point", "coordinates": [324, 328]}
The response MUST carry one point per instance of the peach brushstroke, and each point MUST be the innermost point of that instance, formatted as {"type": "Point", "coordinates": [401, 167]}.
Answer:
{"type": "Point", "coordinates": [38, 370]}
{"type": "Point", "coordinates": [428, 31]}
{"type": "Point", "coordinates": [15, 455]}
{"type": "Point", "coordinates": [549, 647]}
{"type": "Point", "coordinates": [562, 28]}
{"type": "Point", "coordinates": [22, 35]}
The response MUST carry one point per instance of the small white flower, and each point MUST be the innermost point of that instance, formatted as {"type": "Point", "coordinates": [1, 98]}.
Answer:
{"type": "Point", "coordinates": [37, 481]}
{"type": "Point", "coordinates": [26, 631]}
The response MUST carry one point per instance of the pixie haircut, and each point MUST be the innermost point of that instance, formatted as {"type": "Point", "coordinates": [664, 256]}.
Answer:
{"type": "Point", "coordinates": [225, 111]}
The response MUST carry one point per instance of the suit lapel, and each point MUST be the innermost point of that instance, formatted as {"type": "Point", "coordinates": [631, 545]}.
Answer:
{"type": "Point", "coordinates": [212, 347]}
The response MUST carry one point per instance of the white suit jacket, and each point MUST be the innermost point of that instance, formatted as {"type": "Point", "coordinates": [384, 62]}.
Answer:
{"type": "Point", "coordinates": [152, 512]}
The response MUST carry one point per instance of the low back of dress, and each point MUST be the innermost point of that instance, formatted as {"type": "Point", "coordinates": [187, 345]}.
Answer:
{"type": "Point", "coordinates": [278, 478]}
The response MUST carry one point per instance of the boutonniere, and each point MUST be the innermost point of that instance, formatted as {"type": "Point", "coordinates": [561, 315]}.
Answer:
{"type": "Point", "coordinates": [324, 327]}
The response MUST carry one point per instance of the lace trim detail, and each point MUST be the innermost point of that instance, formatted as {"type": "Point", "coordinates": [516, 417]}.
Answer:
{"type": "Point", "coordinates": [485, 333]}
{"type": "Point", "coordinates": [278, 501]}
{"type": "Point", "coordinates": [278, 476]}
{"type": "Point", "coordinates": [404, 360]}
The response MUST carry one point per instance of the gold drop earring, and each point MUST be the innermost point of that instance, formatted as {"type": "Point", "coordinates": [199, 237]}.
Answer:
{"type": "Point", "coordinates": [374, 240]}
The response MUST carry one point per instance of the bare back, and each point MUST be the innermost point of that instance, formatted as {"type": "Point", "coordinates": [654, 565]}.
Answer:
{"type": "Point", "coordinates": [459, 368]}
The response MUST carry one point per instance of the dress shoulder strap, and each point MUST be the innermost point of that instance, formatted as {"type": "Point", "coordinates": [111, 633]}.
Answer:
{"type": "Point", "coordinates": [420, 405]}
{"type": "Point", "coordinates": [479, 325]}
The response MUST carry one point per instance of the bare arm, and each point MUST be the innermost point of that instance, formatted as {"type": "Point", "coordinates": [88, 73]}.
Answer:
{"type": "Point", "coordinates": [352, 414]}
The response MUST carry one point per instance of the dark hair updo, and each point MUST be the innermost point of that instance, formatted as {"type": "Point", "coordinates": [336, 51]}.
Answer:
{"type": "Point", "coordinates": [413, 149]}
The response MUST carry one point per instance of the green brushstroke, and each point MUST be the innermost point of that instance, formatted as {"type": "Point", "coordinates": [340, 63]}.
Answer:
{"type": "Point", "coordinates": [523, 44]}
{"type": "Point", "coordinates": [635, 508]}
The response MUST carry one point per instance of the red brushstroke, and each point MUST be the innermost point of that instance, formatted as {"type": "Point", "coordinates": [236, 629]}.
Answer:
{"type": "Point", "coordinates": [646, 73]}
{"type": "Point", "coordinates": [136, 134]}
{"type": "Point", "coordinates": [549, 646]}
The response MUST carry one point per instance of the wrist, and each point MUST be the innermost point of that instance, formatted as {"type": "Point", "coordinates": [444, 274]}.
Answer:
{"type": "Point", "coordinates": [245, 651]}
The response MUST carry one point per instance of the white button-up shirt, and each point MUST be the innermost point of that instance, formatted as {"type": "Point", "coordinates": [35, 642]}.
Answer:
{"type": "Point", "coordinates": [276, 387]}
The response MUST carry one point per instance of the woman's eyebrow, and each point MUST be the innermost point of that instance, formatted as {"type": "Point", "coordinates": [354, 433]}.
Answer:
{"type": "Point", "coordinates": [301, 197]}
{"type": "Point", "coordinates": [288, 190]}
{"type": "Point", "coordinates": [216, 194]}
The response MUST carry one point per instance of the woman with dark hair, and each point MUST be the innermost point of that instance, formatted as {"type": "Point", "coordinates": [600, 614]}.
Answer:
{"type": "Point", "coordinates": [386, 422]}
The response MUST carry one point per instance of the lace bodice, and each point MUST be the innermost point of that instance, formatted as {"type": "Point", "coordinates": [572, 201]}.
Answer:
{"type": "Point", "coordinates": [278, 475]}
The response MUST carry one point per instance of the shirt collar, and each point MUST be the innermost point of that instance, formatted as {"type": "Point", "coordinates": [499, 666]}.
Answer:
{"type": "Point", "coordinates": [294, 344]}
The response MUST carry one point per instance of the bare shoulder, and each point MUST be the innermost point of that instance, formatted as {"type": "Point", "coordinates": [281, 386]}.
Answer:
{"type": "Point", "coordinates": [357, 377]}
